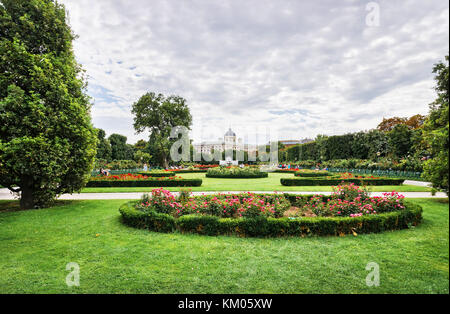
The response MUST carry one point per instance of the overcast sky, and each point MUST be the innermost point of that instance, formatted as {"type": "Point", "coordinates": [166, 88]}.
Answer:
{"type": "Point", "coordinates": [298, 68]}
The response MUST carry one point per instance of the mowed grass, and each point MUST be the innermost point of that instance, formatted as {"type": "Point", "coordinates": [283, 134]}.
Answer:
{"type": "Point", "coordinates": [36, 245]}
{"type": "Point", "coordinates": [271, 183]}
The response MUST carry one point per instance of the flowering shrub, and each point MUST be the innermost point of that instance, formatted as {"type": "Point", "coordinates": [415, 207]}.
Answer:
{"type": "Point", "coordinates": [235, 172]}
{"type": "Point", "coordinates": [246, 205]}
{"type": "Point", "coordinates": [352, 201]}
{"type": "Point", "coordinates": [311, 173]}
{"type": "Point", "coordinates": [348, 175]}
{"type": "Point", "coordinates": [132, 177]}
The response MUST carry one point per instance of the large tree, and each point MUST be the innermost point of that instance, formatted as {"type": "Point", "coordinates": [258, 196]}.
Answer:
{"type": "Point", "coordinates": [103, 146]}
{"type": "Point", "coordinates": [120, 150]}
{"type": "Point", "coordinates": [47, 141]}
{"type": "Point", "coordinates": [399, 139]}
{"type": "Point", "coordinates": [436, 130]}
{"type": "Point", "coordinates": [159, 114]}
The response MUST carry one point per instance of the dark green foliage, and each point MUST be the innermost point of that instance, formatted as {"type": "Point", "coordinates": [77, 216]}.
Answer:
{"type": "Point", "coordinates": [361, 145]}
{"type": "Point", "coordinates": [436, 131]}
{"type": "Point", "coordinates": [273, 227]}
{"type": "Point", "coordinates": [236, 173]}
{"type": "Point", "coordinates": [335, 181]}
{"type": "Point", "coordinates": [47, 141]}
{"type": "Point", "coordinates": [146, 220]}
{"type": "Point", "coordinates": [120, 150]}
{"type": "Point", "coordinates": [400, 142]}
{"type": "Point", "coordinates": [104, 151]}
{"type": "Point", "coordinates": [311, 173]}
{"type": "Point", "coordinates": [144, 183]}
{"type": "Point", "coordinates": [159, 114]}
{"type": "Point", "coordinates": [157, 174]}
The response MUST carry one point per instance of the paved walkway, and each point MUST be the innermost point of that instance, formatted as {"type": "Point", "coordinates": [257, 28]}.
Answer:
{"type": "Point", "coordinates": [417, 183]}
{"type": "Point", "coordinates": [6, 195]}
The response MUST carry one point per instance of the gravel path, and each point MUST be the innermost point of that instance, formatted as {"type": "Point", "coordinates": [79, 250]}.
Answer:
{"type": "Point", "coordinates": [6, 195]}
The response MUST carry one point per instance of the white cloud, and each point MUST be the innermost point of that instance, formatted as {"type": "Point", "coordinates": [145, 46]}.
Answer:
{"type": "Point", "coordinates": [300, 67]}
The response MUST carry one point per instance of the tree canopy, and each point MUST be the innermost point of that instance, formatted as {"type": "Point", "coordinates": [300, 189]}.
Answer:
{"type": "Point", "coordinates": [436, 130]}
{"type": "Point", "coordinates": [159, 114]}
{"type": "Point", "coordinates": [47, 141]}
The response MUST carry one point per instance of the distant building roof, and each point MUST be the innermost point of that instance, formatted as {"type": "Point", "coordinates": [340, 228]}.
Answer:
{"type": "Point", "coordinates": [230, 133]}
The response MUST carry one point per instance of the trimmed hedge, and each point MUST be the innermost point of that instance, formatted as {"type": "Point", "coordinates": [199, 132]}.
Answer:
{"type": "Point", "coordinates": [311, 173]}
{"type": "Point", "coordinates": [145, 183]}
{"type": "Point", "coordinates": [272, 227]}
{"type": "Point", "coordinates": [336, 181]}
{"type": "Point", "coordinates": [238, 176]}
{"type": "Point", "coordinates": [189, 171]}
{"type": "Point", "coordinates": [285, 171]}
{"type": "Point", "coordinates": [157, 174]}
{"type": "Point", "coordinates": [151, 220]}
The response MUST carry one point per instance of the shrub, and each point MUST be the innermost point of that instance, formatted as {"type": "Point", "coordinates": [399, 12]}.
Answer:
{"type": "Point", "coordinates": [128, 180]}
{"type": "Point", "coordinates": [272, 227]}
{"type": "Point", "coordinates": [157, 173]}
{"type": "Point", "coordinates": [330, 181]}
{"type": "Point", "coordinates": [345, 212]}
{"type": "Point", "coordinates": [311, 173]}
{"type": "Point", "coordinates": [236, 172]}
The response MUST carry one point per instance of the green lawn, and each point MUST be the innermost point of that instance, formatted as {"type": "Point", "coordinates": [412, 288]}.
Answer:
{"type": "Point", "coordinates": [36, 245]}
{"type": "Point", "coordinates": [271, 183]}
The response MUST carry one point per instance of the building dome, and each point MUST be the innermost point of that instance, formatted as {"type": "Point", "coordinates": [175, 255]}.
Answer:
{"type": "Point", "coordinates": [230, 133]}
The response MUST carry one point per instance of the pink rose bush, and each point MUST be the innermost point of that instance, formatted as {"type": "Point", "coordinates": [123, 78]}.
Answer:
{"type": "Point", "coordinates": [350, 200]}
{"type": "Point", "coordinates": [245, 205]}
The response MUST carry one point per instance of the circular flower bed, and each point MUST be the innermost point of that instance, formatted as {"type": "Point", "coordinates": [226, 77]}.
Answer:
{"type": "Point", "coordinates": [236, 173]}
{"type": "Point", "coordinates": [349, 210]}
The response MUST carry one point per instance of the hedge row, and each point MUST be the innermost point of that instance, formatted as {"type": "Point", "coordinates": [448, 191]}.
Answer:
{"type": "Point", "coordinates": [145, 183]}
{"type": "Point", "coordinates": [157, 174]}
{"type": "Point", "coordinates": [272, 227]}
{"type": "Point", "coordinates": [190, 171]}
{"type": "Point", "coordinates": [238, 176]}
{"type": "Point", "coordinates": [311, 174]}
{"type": "Point", "coordinates": [337, 181]}
{"type": "Point", "coordinates": [285, 171]}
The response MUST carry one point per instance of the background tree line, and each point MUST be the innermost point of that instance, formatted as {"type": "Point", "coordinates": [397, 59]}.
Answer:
{"type": "Point", "coordinates": [395, 137]}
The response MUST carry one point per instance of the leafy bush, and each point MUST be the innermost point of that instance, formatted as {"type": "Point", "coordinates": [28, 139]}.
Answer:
{"type": "Point", "coordinates": [157, 173]}
{"type": "Point", "coordinates": [311, 173]}
{"type": "Point", "coordinates": [330, 181]}
{"type": "Point", "coordinates": [129, 180]}
{"type": "Point", "coordinates": [236, 172]}
{"type": "Point", "coordinates": [352, 201]}
{"type": "Point", "coordinates": [272, 227]}
{"type": "Point", "coordinates": [248, 205]}
{"type": "Point", "coordinates": [116, 164]}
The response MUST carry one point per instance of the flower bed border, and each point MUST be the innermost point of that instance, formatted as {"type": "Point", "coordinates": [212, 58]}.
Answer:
{"type": "Point", "coordinates": [157, 174]}
{"type": "Point", "coordinates": [319, 181]}
{"type": "Point", "coordinates": [238, 176]}
{"type": "Point", "coordinates": [189, 171]}
{"type": "Point", "coordinates": [312, 174]}
{"type": "Point", "coordinates": [272, 227]}
{"type": "Point", "coordinates": [145, 183]}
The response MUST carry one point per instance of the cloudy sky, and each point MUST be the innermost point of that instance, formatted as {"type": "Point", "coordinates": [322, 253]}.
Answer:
{"type": "Point", "coordinates": [296, 68]}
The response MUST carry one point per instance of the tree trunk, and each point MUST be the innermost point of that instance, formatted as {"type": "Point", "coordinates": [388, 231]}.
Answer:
{"type": "Point", "coordinates": [26, 198]}
{"type": "Point", "coordinates": [165, 163]}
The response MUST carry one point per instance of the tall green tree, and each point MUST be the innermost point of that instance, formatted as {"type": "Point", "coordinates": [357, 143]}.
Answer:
{"type": "Point", "coordinates": [159, 114]}
{"type": "Point", "coordinates": [120, 150]}
{"type": "Point", "coordinates": [399, 139]}
{"type": "Point", "coordinates": [47, 141]}
{"type": "Point", "coordinates": [103, 146]}
{"type": "Point", "coordinates": [436, 130]}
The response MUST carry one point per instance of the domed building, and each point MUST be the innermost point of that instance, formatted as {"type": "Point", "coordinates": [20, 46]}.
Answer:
{"type": "Point", "coordinates": [229, 142]}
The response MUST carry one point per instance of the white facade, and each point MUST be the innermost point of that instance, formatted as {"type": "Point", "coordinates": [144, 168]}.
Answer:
{"type": "Point", "coordinates": [229, 143]}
